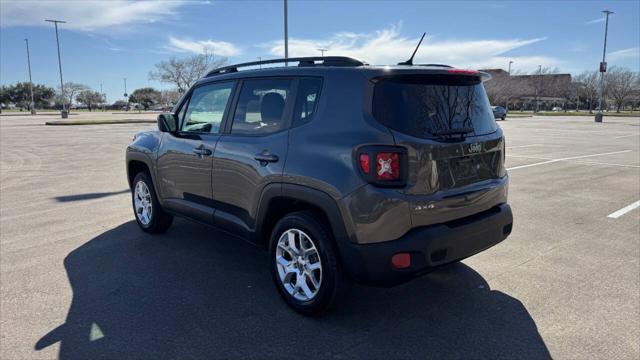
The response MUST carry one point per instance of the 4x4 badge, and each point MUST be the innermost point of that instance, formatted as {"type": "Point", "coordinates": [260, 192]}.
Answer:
{"type": "Point", "coordinates": [475, 148]}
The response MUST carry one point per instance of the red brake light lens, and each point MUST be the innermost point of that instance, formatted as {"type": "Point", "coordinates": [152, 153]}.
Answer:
{"type": "Point", "coordinates": [387, 166]}
{"type": "Point", "coordinates": [401, 260]}
{"type": "Point", "coordinates": [364, 163]}
{"type": "Point", "coordinates": [382, 165]}
{"type": "Point", "coordinates": [463, 72]}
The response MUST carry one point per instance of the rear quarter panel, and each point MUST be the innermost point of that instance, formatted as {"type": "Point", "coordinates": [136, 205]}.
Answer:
{"type": "Point", "coordinates": [321, 156]}
{"type": "Point", "coordinates": [321, 151]}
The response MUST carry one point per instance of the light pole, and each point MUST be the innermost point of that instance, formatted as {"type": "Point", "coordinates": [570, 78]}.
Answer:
{"type": "Point", "coordinates": [537, 87]}
{"type": "Point", "coordinates": [506, 107]}
{"type": "Point", "coordinates": [603, 65]}
{"type": "Point", "coordinates": [32, 104]}
{"type": "Point", "coordinates": [126, 96]}
{"type": "Point", "coordinates": [64, 114]}
{"type": "Point", "coordinates": [286, 33]}
{"type": "Point", "coordinates": [103, 98]}
{"type": "Point", "coordinates": [322, 51]}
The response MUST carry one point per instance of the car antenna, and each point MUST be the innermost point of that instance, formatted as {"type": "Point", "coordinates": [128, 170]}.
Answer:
{"type": "Point", "coordinates": [410, 61]}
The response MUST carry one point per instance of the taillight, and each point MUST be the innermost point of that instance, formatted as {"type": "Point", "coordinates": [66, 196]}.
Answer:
{"type": "Point", "coordinates": [502, 171]}
{"type": "Point", "coordinates": [388, 166]}
{"type": "Point", "coordinates": [383, 165]}
{"type": "Point", "coordinates": [364, 163]}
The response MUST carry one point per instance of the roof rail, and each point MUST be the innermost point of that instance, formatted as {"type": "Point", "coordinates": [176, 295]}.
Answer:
{"type": "Point", "coordinates": [302, 61]}
{"type": "Point", "coordinates": [435, 65]}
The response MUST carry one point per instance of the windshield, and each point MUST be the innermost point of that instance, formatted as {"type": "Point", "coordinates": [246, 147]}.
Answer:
{"type": "Point", "coordinates": [431, 106]}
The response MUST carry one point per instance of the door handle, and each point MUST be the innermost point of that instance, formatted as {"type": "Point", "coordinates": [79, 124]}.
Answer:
{"type": "Point", "coordinates": [202, 151]}
{"type": "Point", "coordinates": [266, 158]}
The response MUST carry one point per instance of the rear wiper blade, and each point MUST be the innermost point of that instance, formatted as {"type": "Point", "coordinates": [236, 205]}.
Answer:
{"type": "Point", "coordinates": [463, 131]}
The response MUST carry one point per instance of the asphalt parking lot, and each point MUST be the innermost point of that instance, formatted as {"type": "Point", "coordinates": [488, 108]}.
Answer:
{"type": "Point", "coordinates": [80, 281]}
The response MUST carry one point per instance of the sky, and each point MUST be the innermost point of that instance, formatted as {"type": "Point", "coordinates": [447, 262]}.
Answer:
{"type": "Point", "coordinates": [106, 41]}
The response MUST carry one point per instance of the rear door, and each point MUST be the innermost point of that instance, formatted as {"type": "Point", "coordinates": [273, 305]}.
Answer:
{"type": "Point", "coordinates": [252, 151]}
{"type": "Point", "coordinates": [454, 145]}
{"type": "Point", "coordinates": [185, 159]}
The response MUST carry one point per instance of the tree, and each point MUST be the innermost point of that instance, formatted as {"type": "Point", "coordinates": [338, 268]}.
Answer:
{"type": "Point", "coordinates": [20, 95]}
{"type": "Point", "coordinates": [90, 98]}
{"type": "Point", "coordinates": [546, 85]}
{"type": "Point", "coordinates": [635, 96]}
{"type": "Point", "coordinates": [4, 96]}
{"type": "Point", "coordinates": [503, 89]}
{"type": "Point", "coordinates": [182, 73]}
{"type": "Point", "coordinates": [620, 85]}
{"type": "Point", "coordinates": [119, 105]}
{"type": "Point", "coordinates": [588, 87]}
{"type": "Point", "coordinates": [145, 97]}
{"type": "Point", "coordinates": [169, 97]}
{"type": "Point", "coordinates": [496, 88]}
{"type": "Point", "coordinates": [71, 89]}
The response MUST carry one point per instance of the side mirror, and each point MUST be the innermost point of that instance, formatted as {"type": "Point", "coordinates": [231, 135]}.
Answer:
{"type": "Point", "coordinates": [167, 123]}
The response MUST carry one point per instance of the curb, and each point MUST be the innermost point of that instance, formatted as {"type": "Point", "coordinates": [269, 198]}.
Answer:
{"type": "Point", "coordinates": [38, 114]}
{"type": "Point", "coordinates": [99, 122]}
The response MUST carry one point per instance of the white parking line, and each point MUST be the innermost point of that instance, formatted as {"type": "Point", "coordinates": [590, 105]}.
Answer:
{"type": "Point", "coordinates": [624, 210]}
{"type": "Point", "coordinates": [523, 146]}
{"type": "Point", "coordinates": [578, 161]}
{"type": "Point", "coordinates": [529, 157]}
{"type": "Point", "coordinates": [606, 164]}
{"type": "Point", "coordinates": [567, 158]}
{"type": "Point", "coordinates": [624, 136]}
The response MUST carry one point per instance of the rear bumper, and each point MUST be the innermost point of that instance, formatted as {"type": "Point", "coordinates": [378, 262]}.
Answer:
{"type": "Point", "coordinates": [429, 246]}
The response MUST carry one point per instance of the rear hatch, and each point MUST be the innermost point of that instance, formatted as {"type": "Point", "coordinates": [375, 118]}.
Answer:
{"type": "Point", "coordinates": [455, 148]}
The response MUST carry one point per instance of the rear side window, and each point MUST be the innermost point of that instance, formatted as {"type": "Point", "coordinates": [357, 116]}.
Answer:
{"type": "Point", "coordinates": [306, 100]}
{"type": "Point", "coordinates": [428, 105]}
{"type": "Point", "coordinates": [261, 106]}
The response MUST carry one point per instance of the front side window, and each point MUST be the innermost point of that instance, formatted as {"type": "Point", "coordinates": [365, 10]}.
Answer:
{"type": "Point", "coordinates": [261, 105]}
{"type": "Point", "coordinates": [205, 109]}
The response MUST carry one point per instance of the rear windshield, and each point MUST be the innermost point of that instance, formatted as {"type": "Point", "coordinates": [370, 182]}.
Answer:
{"type": "Point", "coordinates": [432, 106]}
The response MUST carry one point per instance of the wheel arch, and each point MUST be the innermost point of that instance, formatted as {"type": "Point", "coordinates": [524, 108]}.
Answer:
{"type": "Point", "coordinates": [137, 162]}
{"type": "Point", "coordinates": [278, 200]}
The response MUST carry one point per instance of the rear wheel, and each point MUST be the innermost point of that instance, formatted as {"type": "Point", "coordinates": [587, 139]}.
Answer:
{"type": "Point", "coordinates": [149, 214]}
{"type": "Point", "coordinates": [305, 265]}
{"type": "Point", "coordinates": [504, 117]}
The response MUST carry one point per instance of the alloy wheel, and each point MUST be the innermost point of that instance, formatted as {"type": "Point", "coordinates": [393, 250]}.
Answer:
{"type": "Point", "coordinates": [142, 203]}
{"type": "Point", "coordinates": [299, 265]}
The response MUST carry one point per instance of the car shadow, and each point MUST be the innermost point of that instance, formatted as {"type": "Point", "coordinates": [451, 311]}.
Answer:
{"type": "Point", "coordinates": [198, 293]}
{"type": "Point", "coordinates": [89, 196]}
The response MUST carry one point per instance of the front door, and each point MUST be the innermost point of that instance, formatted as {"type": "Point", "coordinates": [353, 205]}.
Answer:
{"type": "Point", "coordinates": [185, 159]}
{"type": "Point", "coordinates": [253, 151]}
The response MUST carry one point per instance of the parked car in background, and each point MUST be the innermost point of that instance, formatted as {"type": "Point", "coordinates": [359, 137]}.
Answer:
{"type": "Point", "coordinates": [342, 171]}
{"type": "Point", "coordinates": [499, 112]}
{"type": "Point", "coordinates": [557, 109]}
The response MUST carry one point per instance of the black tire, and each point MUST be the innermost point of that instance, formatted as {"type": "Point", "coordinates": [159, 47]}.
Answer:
{"type": "Point", "coordinates": [504, 117]}
{"type": "Point", "coordinates": [160, 221]}
{"type": "Point", "coordinates": [334, 284]}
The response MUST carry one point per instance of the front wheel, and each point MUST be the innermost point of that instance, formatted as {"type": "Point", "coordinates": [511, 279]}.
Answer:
{"type": "Point", "coordinates": [305, 265]}
{"type": "Point", "coordinates": [149, 214]}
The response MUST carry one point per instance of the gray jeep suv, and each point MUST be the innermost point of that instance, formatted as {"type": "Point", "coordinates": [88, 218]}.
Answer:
{"type": "Point", "coordinates": [342, 170]}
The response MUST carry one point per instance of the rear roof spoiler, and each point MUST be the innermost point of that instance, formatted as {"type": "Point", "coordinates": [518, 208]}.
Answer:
{"type": "Point", "coordinates": [485, 76]}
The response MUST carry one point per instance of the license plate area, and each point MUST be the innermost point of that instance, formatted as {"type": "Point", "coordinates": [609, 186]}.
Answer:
{"type": "Point", "coordinates": [464, 168]}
